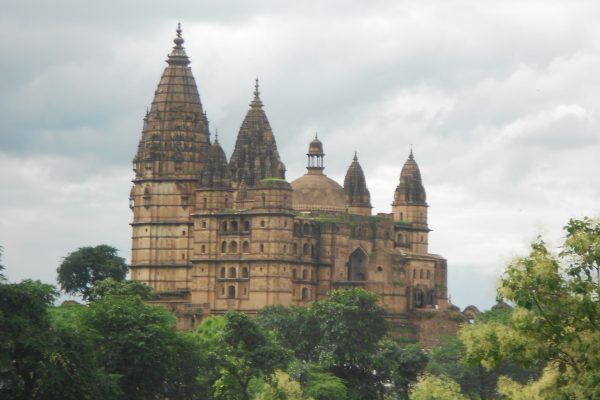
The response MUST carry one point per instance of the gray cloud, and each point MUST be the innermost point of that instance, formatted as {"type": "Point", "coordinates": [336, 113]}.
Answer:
{"type": "Point", "coordinates": [499, 100]}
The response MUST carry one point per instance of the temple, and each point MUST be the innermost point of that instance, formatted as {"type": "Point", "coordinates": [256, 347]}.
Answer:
{"type": "Point", "coordinates": [211, 235]}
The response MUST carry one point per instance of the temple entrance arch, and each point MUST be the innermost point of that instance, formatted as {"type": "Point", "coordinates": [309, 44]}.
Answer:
{"type": "Point", "coordinates": [357, 265]}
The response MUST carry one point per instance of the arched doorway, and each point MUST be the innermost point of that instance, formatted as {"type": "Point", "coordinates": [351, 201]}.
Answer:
{"type": "Point", "coordinates": [357, 265]}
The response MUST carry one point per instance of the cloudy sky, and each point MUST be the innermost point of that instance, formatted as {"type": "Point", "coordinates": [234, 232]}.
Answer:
{"type": "Point", "coordinates": [500, 100]}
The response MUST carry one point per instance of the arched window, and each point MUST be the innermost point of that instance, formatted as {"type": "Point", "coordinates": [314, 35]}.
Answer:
{"type": "Point", "coordinates": [306, 228]}
{"type": "Point", "coordinates": [294, 273]}
{"type": "Point", "coordinates": [311, 275]}
{"type": "Point", "coordinates": [204, 202]}
{"type": "Point", "coordinates": [296, 228]}
{"type": "Point", "coordinates": [262, 223]}
{"type": "Point", "coordinates": [245, 273]}
{"type": "Point", "coordinates": [313, 251]}
{"type": "Point", "coordinates": [246, 247]}
{"type": "Point", "coordinates": [147, 197]}
{"type": "Point", "coordinates": [232, 272]}
{"type": "Point", "coordinates": [231, 292]}
{"type": "Point", "coordinates": [234, 226]}
{"type": "Point", "coordinates": [414, 273]}
{"type": "Point", "coordinates": [284, 249]}
{"type": "Point", "coordinates": [418, 298]}
{"type": "Point", "coordinates": [295, 248]}
{"type": "Point", "coordinates": [305, 294]}
{"type": "Point", "coordinates": [357, 265]}
{"type": "Point", "coordinates": [262, 248]}
{"type": "Point", "coordinates": [224, 226]}
{"type": "Point", "coordinates": [246, 226]}
{"type": "Point", "coordinates": [226, 202]}
{"type": "Point", "coordinates": [304, 275]}
{"type": "Point", "coordinates": [223, 247]}
{"type": "Point", "coordinates": [264, 199]}
{"type": "Point", "coordinates": [233, 247]}
{"type": "Point", "coordinates": [203, 224]}
{"type": "Point", "coordinates": [305, 249]}
{"type": "Point", "coordinates": [222, 273]}
{"type": "Point", "coordinates": [427, 274]}
{"type": "Point", "coordinates": [203, 249]}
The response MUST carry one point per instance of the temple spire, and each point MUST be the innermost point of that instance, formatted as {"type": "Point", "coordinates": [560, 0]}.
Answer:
{"type": "Point", "coordinates": [410, 156]}
{"type": "Point", "coordinates": [178, 55]}
{"type": "Point", "coordinates": [256, 102]}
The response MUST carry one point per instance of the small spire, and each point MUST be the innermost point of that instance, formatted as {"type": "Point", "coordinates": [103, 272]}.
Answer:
{"type": "Point", "coordinates": [178, 56]}
{"type": "Point", "coordinates": [256, 92]}
{"type": "Point", "coordinates": [216, 136]}
{"type": "Point", "coordinates": [410, 156]}
{"type": "Point", "coordinates": [178, 39]}
{"type": "Point", "coordinates": [316, 135]}
{"type": "Point", "coordinates": [355, 155]}
{"type": "Point", "coordinates": [256, 102]}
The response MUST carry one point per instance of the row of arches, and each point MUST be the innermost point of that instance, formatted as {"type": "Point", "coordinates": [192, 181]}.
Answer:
{"type": "Point", "coordinates": [305, 275]}
{"type": "Point", "coordinates": [233, 226]}
{"type": "Point", "coordinates": [232, 247]}
{"type": "Point", "coordinates": [423, 274]}
{"type": "Point", "coordinates": [232, 273]}
{"type": "Point", "coordinates": [304, 228]}
{"type": "Point", "coordinates": [423, 298]}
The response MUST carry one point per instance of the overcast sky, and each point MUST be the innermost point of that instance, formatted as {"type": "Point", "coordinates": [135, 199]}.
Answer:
{"type": "Point", "coordinates": [500, 100]}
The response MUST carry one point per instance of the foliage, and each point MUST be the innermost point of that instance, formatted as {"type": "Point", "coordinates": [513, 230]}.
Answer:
{"type": "Point", "coordinates": [556, 321]}
{"type": "Point", "coordinates": [241, 350]}
{"type": "Point", "coordinates": [24, 336]}
{"type": "Point", "coordinates": [81, 269]}
{"type": "Point", "coordinates": [318, 383]}
{"type": "Point", "coordinates": [2, 267]}
{"type": "Point", "coordinates": [280, 387]}
{"type": "Point", "coordinates": [399, 365]}
{"type": "Point", "coordinates": [139, 344]}
{"type": "Point", "coordinates": [295, 328]}
{"type": "Point", "coordinates": [436, 388]}
{"type": "Point", "coordinates": [112, 287]}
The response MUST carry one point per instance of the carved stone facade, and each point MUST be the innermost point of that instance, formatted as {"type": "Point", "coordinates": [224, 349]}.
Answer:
{"type": "Point", "coordinates": [212, 236]}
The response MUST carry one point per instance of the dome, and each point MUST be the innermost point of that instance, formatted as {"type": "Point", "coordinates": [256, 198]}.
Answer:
{"type": "Point", "coordinates": [318, 193]}
{"type": "Point", "coordinates": [315, 147]}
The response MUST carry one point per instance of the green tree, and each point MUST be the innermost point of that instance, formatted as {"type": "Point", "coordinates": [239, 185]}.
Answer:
{"type": "Point", "coordinates": [280, 387]}
{"type": "Point", "coordinates": [399, 366]}
{"type": "Point", "coordinates": [81, 269]}
{"type": "Point", "coordinates": [112, 287]}
{"type": "Point", "coordinates": [351, 323]}
{"type": "Point", "coordinates": [24, 336]}
{"type": "Point", "coordinates": [296, 328]}
{"type": "Point", "coordinates": [241, 350]}
{"type": "Point", "coordinates": [556, 321]}
{"type": "Point", "coordinates": [139, 344]}
{"type": "Point", "coordinates": [436, 388]}
{"type": "Point", "coordinates": [2, 267]}
{"type": "Point", "coordinates": [316, 382]}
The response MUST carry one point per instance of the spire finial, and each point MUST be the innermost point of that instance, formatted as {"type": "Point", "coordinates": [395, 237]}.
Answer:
{"type": "Point", "coordinates": [316, 135]}
{"type": "Point", "coordinates": [178, 39]}
{"type": "Point", "coordinates": [410, 156]}
{"type": "Point", "coordinates": [256, 103]}
{"type": "Point", "coordinates": [355, 155]}
{"type": "Point", "coordinates": [216, 135]}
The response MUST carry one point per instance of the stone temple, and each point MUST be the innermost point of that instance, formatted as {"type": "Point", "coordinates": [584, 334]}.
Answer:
{"type": "Point", "coordinates": [212, 235]}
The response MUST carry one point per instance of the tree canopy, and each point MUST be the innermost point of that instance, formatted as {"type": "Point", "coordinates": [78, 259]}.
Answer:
{"type": "Point", "coordinates": [81, 269]}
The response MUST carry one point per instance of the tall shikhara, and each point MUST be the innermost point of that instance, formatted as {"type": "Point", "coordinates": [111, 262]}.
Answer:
{"type": "Point", "coordinates": [211, 236]}
{"type": "Point", "coordinates": [255, 156]}
{"type": "Point", "coordinates": [173, 149]}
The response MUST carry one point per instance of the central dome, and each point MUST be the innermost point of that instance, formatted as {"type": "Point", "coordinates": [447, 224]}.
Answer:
{"type": "Point", "coordinates": [316, 192]}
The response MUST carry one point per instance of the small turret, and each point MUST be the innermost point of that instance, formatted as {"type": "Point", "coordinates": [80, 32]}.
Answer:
{"type": "Point", "coordinates": [214, 183]}
{"type": "Point", "coordinates": [409, 208]}
{"type": "Point", "coordinates": [255, 155]}
{"type": "Point", "coordinates": [358, 197]}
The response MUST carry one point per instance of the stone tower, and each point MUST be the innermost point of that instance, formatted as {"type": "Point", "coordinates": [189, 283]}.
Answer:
{"type": "Point", "coordinates": [410, 206]}
{"type": "Point", "coordinates": [255, 155]}
{"type": "Point", "coordinates": [173, 149]}
{"type": "Point", "coordinates": [358, 197]}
